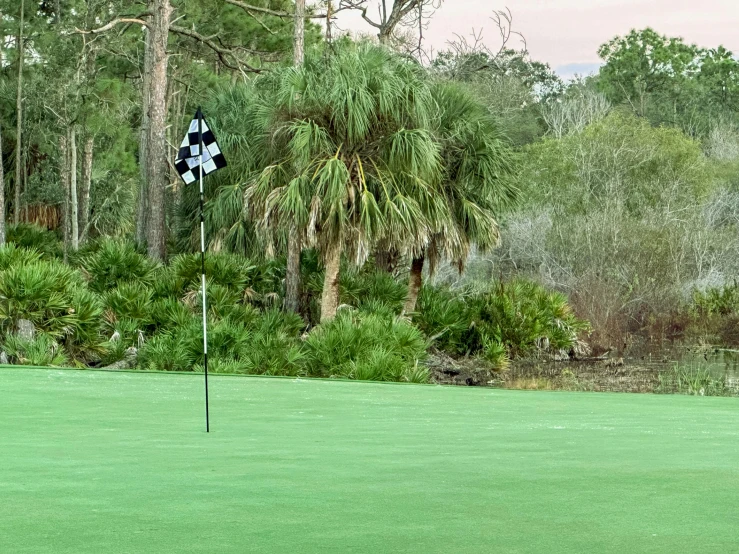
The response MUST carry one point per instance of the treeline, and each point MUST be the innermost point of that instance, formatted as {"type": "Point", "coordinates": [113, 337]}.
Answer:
{"type": "Point", "coordinates": [477, 167]}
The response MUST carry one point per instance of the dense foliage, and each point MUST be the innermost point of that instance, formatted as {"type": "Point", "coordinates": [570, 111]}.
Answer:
{"type": "Point", "coordinates": [84, 316]}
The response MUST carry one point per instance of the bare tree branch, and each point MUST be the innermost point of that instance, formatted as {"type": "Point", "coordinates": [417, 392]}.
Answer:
{"type": "Point", "coordinates": [408, 13]}
{"type": "Point", "coordinates": [251, 10]}
{"type": "Point", "coordinates": [109, 26]}
{"type": "Point", "coordinates": [465, 47]}
{"type": "Point", "coordinates": [223, 52]}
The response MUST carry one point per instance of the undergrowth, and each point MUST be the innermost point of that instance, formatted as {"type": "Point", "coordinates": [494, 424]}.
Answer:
{"type": "Point", "coordinates": [111, 298]}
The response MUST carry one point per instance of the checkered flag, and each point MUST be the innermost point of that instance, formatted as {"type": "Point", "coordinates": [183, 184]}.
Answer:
{"type": "Point", "coordinates": [193, 165]}
{"type": "Point", "coordinates": [188, 157]}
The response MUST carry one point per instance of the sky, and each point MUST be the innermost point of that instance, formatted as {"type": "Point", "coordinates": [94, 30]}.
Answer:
{"type": "Point", "coordinates": [566, 33]}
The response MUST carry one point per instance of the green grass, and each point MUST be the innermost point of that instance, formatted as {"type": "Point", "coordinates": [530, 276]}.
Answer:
{"type": "Point", "coordinates": [119, 462]}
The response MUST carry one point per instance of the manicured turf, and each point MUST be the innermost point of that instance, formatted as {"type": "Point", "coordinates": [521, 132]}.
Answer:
{"type": "Point", "coordinates": [119, 462]}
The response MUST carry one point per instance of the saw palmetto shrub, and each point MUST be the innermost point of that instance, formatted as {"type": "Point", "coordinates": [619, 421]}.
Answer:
{"type": "Point", "coordinates": [373, 288]}
{"type": "Point", "coordinates": [501, 321]}
{"type": "Point", "coordinates": [12, 255]}
{"type": "Point", "coordinates": [523, 316]}
{"type": "Point", "coordinates": [274, 346]}
{"type": "Point", "coordinates": [112, 263]}
{"type": "Point", "coordinates": [267, 343]}
{"type": "Point", "coordinates": [358, 345]}
{"type": "Point", "coordinates": [132, 301]}
{"type": "Point", "coordinates": [42, 292]}
{"type": "Point", "coordinates": [41, 350]}
{"type": "Point", "coordinates": [26, 235]}
{"type": "Point", "coordinates": [228, 270]}
{"type": "Point", "coordinates": [114, 298]}
{"type": "Point", "coordinates": [53, 297]}
{"type": "Point", "coordinates": [444, 316]}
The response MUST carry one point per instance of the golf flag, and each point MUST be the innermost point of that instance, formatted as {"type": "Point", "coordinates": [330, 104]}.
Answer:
{"type": "Point", "coordinates": [199, 155]}
{"type": "Point", "coordinates": [188, 158]}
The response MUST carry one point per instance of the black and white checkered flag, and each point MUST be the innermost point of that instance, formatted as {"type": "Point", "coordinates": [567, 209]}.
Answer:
{"type": "Point", "coordinates": [188, 157]}
{"type": "Point", "coordinates": [193, 165]}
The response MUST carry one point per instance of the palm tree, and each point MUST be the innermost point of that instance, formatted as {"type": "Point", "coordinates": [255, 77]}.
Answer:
{"type": "Point", "coordinates": [474, 187]}
{"type": "Point", "coordinates": [358, 150]}
{"type": "Point", "coordinates": [353, 159]}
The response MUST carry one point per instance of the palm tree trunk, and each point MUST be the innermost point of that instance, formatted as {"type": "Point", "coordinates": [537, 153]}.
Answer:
{"type": "Point", "coordinates": [19, 127]}
{"type": "Point", "coordinates": [156, 163]}
{"type": "Point", "coordinates": [2, 193]}
{"type": "Point", "coordinates": [292, 275]}
{"type": "Point", "coordinates": [73, 188]}
{"type": "Point", "coordinates": [330, 295]}
{"type": "Point", "coordinates": [414, 284]}
{"type": "Point", "coordinates": [84, 203]}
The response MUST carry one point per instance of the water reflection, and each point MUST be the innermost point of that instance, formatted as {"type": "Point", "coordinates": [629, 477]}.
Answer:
{"type": "Point", "coordinates": [718, 362]}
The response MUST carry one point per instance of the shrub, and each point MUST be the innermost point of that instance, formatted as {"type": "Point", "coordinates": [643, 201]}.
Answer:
{"type": "Point", "coordinates": [167, 284]}
{"type": "Point", "coordinates": [444, 317]}
{"type": "Point", "coordinates": [114, 263]}
{"type": "Point", "coordinates": [228, 270]}
{"type": "Point", "coordinates": [41, 350]}
{"type": "Point", "coordinates": [25, 235]}
{"type": "Point", "coordinates": [717, 301]}
{"type": "Point", "coordinates": [53, 297]}
{"type": "Point", "coordinates": [222, 300]}
{"type": "Point", "coordinates": [495, 353]}
{"type": "Point", "coordinates": [272, 354]}
{"type": "Point", "coordinates": [170, 312]}
{"type": "Point", "coordinates": [171, 351]}
{"type": "Point", "coordinates": [263, 343]}
{"type": "Point", "coordinates": [356, 345]}
{"type": "Point", "coordinates": [524, 316]}
{"type": "Point", "coordinates": [507, 320]}
{"type": "Point", "coordinates": [131, 301]}
{"type": "Point", "coordinates": [373, 287]}
{"type": "Point", "coordinates": [42, 292]}
{"type": "Point", "coordinates": [85, 340]}
{"type": "Point", "coordinates": [12, 255]}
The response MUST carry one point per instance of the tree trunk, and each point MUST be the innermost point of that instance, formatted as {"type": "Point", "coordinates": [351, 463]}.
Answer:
{"type": "Point", "coordinates": [64, 179]}
{"type": "Point", "coordinates": [299, 37]}
{"type": "Point", "coordinates": [292, 275]}
{"type": "Point", "coordinates": [414, 284]}
{"type": "Point", "coordinates": [143, 142]}
{"type": "Point", "coordinates": [73, 188]}
{"type": "Point", "coordinates": [19, 128]}
{"type": "Point", "coordinates": [2, 193]}
{"type": "Point", "coordinates": [156, 161]}
{"type": "Point", "coordinates": [84, 202]}
{"type": "Point", "coordinates": [330, 295]}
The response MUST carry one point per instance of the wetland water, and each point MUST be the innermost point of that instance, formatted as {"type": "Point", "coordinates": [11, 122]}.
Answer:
{"type": "Point", "coordinates": [693, 371]}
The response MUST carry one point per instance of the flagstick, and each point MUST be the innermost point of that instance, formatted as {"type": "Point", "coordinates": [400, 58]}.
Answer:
{"type": "Point", "coordinates": [202, 268]}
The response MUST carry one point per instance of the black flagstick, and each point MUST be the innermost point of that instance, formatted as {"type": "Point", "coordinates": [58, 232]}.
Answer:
{"type": "Point", "coordinates": [202, 268]}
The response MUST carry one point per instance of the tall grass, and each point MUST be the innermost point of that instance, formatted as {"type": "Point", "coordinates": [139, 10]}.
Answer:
{"type": "Point", "coordinates": [693, 379]}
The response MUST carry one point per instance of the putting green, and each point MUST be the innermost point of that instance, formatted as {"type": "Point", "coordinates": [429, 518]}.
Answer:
{"type": "Point", "coordinates": [119, 462]}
